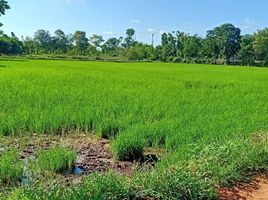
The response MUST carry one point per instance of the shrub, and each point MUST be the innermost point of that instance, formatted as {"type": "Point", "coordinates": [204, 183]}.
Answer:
{"type": "Point", "coordinates": [11, 170]}
{"type": "Point", "coordinates": [56, 159]}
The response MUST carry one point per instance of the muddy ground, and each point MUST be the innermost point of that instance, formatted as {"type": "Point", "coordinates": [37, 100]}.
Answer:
{"type": "Point", "coordinates": [94, 154]}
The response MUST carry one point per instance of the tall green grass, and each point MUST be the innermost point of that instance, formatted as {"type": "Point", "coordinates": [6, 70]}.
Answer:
{"type": "Point", "coordinates": [186, 103]}
{"type": "Point", "coordinates": [11, 169]}
{"type": "Point", "coordinates": [56, 159]}
{"type": "Point", "coordinates": [196, 112]}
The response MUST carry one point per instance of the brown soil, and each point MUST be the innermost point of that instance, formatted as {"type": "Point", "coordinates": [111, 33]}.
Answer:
{"type": "Point", "coordinates": [256, 189]}
{"type": "Point", "coordinates": [94, 154]}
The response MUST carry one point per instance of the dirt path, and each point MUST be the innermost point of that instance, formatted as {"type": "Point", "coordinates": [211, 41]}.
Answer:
{"type": "Point", "coordinates": [257, 189]}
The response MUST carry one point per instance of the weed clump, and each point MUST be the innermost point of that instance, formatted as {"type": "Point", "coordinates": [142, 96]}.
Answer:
{"type": "Point", "coordinates": [57, 159]}
{"type": "Point", "coordinates": [128, 147]}
{"type": "Point", "coordinates": [11, 169]}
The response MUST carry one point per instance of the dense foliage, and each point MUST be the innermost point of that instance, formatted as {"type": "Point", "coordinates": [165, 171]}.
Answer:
{"type": "Point", "coordinates": [223, 44]}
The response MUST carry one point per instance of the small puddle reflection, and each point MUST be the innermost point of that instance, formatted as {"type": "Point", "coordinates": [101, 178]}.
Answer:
{"type": "Point", "coordinates": [25, 181]}
{"type": "Point", "coordinates": [78, 170]}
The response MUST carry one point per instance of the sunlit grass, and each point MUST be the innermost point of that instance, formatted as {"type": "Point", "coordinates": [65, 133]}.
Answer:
{"type": "Point", "coordinates": [56, 159]}
{"type": "Point", "coordinates": [206, 117]}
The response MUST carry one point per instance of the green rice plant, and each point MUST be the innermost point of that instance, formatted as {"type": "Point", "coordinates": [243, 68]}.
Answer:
{"type": "Point", "coordinates": [57, 159]}
{"type": "Point", "coordinates": [105, 186]}
{"type": "Point", "coordinates": [95, 187]}
{"type": "Point", "coordinates": [128, 147]}
{"type": "Point", "coordinates": [11, 169]}
{"type": "Point", "coordinates": [230, 162]}
{"type": "Point", "coordinates": [196, 112]}
{"type": "Point", "coordinates": [57, 192]}
{"type": "Point", "coordinates": [225, 163]}
{"type": "Point", "coordinates": [174, 182]}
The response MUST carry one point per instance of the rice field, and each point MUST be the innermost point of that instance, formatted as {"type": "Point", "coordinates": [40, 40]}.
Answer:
{"type": "Point", "coordinates": [211, 120]}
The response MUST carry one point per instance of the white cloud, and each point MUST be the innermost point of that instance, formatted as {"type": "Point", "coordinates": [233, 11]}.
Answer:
{"type": "Point", "coordinates": [135, 21]}
{"type": "Point", "coordinates": [249, 25]}
{"type": "Point", "coordinates": [156, 31]}
{"type": "Point", "coordinates": [151, 30]}
{"type": "Point", "coordinates": [109, 33]}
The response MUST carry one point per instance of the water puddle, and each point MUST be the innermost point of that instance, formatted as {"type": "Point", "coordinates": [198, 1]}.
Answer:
{"type": "Point", "coordinates": [78, 170]}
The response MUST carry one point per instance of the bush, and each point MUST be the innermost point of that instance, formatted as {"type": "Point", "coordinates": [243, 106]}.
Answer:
{"type": "Point", "coordinates": [57, 159]}
{"type": "Point", "coordinates": [11, 170]}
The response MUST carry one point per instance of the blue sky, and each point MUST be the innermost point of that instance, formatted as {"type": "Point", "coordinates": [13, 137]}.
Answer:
{"type": "Point", "coordinates": [112, 17]}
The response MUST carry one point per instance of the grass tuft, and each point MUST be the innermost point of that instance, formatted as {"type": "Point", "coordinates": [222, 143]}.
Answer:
{"type": "Point", "coordinates": [11, 169]}
{"type": "Point", "coordinates": [57, 159]}
{"type": "Point", "coordinates": [128, 147]}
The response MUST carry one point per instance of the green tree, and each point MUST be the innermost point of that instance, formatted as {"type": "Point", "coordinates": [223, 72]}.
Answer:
{"type": "Point", "coordinates": [80, 41]}
{"type": "Point", "coordinates": [226, 39]}
{"type": "Point", "coordinates": [191, 47]}
{"type": "Point", "coordinates": [140, 52]}
{"type": "Point", "coordinates": [59, 42]}
{"type": "Point", "coordinates": [129, 40]}
{"type": "Point", "coordinates": [246, 53]}
{"type": "Point", "coordinates": [96, 40]}
{"type": "Point", "coordinates": [30, 46]}
{"type": "Point", "coordinates": [112, 46]}
{"type": "Point", "coordinates": [211, 49]}
{"type": "Point", "coordinates": [169, 44]}
{"type": "Point", "coordinates": [10, 45]}
{"type": "Point", "coordinates": [260, 45]}
{"type": "Point", "coordinates": [3, 7]}
{"type": "Point", "coordinates": [43, 39]}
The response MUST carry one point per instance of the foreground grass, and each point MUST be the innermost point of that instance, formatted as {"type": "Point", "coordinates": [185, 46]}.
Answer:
{"type": "Point", "coordinates": [57, 159]}
{"type": "Point", "coordinates": [11, 170]}
{"type": "Point", "coordinates": [193, 175]}
{"type": "Point", "coordinates": [212, 120]}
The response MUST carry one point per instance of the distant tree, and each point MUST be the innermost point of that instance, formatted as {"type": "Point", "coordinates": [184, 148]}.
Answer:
{"type": "Point", "coordinates": [226, 39]}
{"type": "Point", "coordinates": [246, 53]}
{"type": "Point", "coordinates": [59, 42]}
{"type": "Point", "coordinates": [157, 53]}
{"type": "Point", "coordinates": [180, 40]}
{"type": "Point", "coordinates": [16, 46]}
{"type": "Point", "coordinates": [80, 41]}
{"type": "Point", "coordinates": [112, 46]}
{"type": "Point", "coordinates": [129, 40]}
{"type": "Point", "coordinates": [3, 7]}
{"type": "Point", "coordinates": [43, 39]}
{"type": "Point", "coordinates": [10, 45]}
{"type": "Point", "coordinates": [169, 45]}
{"type": "Point", "coordinates": [30, 46]}
{"type": "Point", "coordinates": [192, 47]}
{"type": "Point", "coordinates": [260, 45]}
{"type": "Point", "coordinates": [211, 47]}
{"type": "Point", "coordinates": [96, 40]}
{"type": "Point", "coordinates": [140, 52]}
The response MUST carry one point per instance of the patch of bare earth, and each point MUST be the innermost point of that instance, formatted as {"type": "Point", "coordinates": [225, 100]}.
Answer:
{"type": "Point", "coordinates": [94, 155]}
{"type": "Point", "coordinates": [256, 189]}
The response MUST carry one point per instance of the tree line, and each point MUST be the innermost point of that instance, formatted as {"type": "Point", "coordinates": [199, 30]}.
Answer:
{"type": "Point", "coordinates": [223, 44]}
